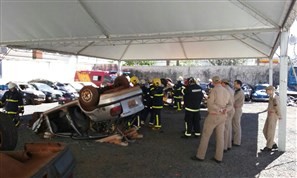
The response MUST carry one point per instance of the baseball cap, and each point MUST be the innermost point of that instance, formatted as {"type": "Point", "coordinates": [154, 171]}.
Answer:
{"type": "Point", "coordinates": [216, 79]}
{"type": "Point", "coordinates": [225, 81]}
{"type": "Point", "coordinates": [270, 87]}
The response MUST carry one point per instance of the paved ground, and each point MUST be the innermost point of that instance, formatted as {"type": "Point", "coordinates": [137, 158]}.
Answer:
{"type": "Point", "coordinates": [165, 154]}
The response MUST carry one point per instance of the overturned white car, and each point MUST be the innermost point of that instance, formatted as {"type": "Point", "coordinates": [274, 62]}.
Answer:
{"type": "Point", "coordinates": [99, 112]}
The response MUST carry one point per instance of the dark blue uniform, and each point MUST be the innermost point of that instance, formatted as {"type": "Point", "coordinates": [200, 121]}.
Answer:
{"type": "Point", "coordinates": [146, 102]}
{"type": "Point", "coordinates": [156, 93]}
{"type": "Point", "coordinates": [177, 95]}
{"type": "Point", "coordinates": [13, 104]}
{"type": "Point", "coordinates": [192, 100]}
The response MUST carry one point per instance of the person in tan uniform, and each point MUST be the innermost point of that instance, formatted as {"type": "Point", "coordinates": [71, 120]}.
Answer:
{"type": "Point", "coordinates": [230, 114]}
{"type": "Point", "coordinates": [273, 114]}
{"type": "Point", "coordinates": [218, 105]}
{"type": "Point", "coordinates": [238, 103]}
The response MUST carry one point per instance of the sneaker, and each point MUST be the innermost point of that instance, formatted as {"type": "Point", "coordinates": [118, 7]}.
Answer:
{"type": "Point", "coordinates": [151, 124]}
{"type": "Point", "coordinates": [142, 122]}
{"type": "Point", "coordinates": [266, 149]}
{"type": "Point", "coordinates": [274, 146]}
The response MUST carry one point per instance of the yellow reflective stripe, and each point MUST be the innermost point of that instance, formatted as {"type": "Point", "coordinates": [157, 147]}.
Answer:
{"type": "Point", "coordinates": [158, 94]}
{"type": "Point", "coordinates": [183, 91]}
{"type": "Point", "coordinates": [178, 97]}
{"type": "Point", "coordinates": [158, 125]}
{"type": "Point", "coordinates": [193, 110]}
{"type": "Point", "coordinates": [21, 106]}
{"type": "Point", "coordinates": [157, 107]}
{"type": "Point", "coordinates": [10, 112]}
{"type": "Point", "coordinates": [178, 105]}
{"type": "Point", "coordinates": [13, 101]}
{"type": "Point", "coordinates": [186, 134]}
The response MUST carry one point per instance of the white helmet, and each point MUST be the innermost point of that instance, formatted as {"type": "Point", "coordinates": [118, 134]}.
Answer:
{"type": "Point", "coordinates": [11, 85]}
{"type": "Point", "coordinates": [180, 78]}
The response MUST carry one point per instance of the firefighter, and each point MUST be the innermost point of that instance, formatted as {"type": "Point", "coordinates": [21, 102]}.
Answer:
{"type": "Point", "coordinates": [192, 99]}
{"type": "Point", "coordinates": [134, 121]}
{"type": "Point", "coordinates": [177, 94]}
{"type": "Point", "coordinates": [145, 87]}
{"type": "Point", "coordinates": [13, 103]}
{"type": "Point", "coordinates": [156, 94]}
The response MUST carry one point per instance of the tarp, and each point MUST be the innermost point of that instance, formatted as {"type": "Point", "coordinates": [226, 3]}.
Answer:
{"type": "Point", "coordinates": [147, 30]}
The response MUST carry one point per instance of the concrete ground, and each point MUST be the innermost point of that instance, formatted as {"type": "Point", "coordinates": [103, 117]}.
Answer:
{"type": "Point", "coordinates": [165, 154]}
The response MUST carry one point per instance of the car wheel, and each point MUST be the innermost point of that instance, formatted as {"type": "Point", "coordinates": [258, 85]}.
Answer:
{"type": "Point", "coordinates": [88, 98]}
{"type": "Point", "coordinates": [8, 133]}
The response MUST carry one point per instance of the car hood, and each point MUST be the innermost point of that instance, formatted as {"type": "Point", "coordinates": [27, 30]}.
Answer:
{"type": "Point", "coordinates": [35, 92]}
{"type": "Point", "coordinates": [261, 92]}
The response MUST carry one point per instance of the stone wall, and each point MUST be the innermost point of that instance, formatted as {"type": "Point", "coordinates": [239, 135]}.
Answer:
{"type": "Point", "coordinates": [247, 74]}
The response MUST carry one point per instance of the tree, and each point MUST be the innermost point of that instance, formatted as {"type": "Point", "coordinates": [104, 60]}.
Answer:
{"type": "Point", "coordinates": [138, 63]}
{"type": "Point", "coordinates": [226, 62]}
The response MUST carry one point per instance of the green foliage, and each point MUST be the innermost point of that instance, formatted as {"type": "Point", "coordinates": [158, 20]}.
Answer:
{"type": "Point", "coordinates": [226, 62]}
{"type": "Point", "coordinates": [138, 63]}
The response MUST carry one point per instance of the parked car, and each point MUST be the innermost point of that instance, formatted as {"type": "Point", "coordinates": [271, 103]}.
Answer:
{"type": "Point", "coordinates": [247, 90]}
{"type": "Point", "coordinates": [67, 89]}
{"type": "Point", "coordinates": [51, 94]}
{"type": "Point", "coordinates": [68, 93]}
{"type": "Point", "coordinates": [3, 89]}
{"type": "Point", "coordinates": [291, 91]}
{"type": "Point", "coordinates": [30, 94]}
{"type": "Point", "coordinates": [259, 93]}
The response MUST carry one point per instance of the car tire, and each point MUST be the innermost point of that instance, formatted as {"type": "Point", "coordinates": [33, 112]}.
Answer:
{"type": "Point", "coordinates": [88, 98]}
{"type": "Point", "coordinates": [8, 133]}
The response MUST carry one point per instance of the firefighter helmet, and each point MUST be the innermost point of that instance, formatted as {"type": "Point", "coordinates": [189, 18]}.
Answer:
{"type": "Point", "coordinates": [142, 81]}
{"type": "Point", "coordinates": [134, 80]}
{"type": "Point", "coordinates": [180, 78]}
{"type": "Point", "coordinates": [191, 81]}
{"type": "Point", "coordinates": [11, 85]}
{"type": "Point", "coordinates": [157, 81]}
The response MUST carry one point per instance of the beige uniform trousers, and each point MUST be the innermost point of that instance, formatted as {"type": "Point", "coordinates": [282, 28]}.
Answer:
{"type": "Point", "coordinates": [269, 129]}
{"type": "Point", "coordinates": [228, 130]}
{"type": "Point", "coordinates": [236, 126]}
{"type": "Point", "coordinates": [212, 122]}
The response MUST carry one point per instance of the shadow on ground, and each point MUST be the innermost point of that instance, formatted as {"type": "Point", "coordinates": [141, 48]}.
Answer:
{"type": "Point", "coordinates": [165, 154]}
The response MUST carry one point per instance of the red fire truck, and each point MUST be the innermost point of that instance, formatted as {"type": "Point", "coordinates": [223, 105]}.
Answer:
{"type": "Point", "coordinates": [98, 77]}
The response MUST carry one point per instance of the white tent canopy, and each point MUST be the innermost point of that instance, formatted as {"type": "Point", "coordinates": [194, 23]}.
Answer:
{"type": "Point", "coordinates": [148, 30]}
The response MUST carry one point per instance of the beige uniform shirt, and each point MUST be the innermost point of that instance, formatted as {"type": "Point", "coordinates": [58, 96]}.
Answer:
{"type": "Point", "coordinates": [238, 99]}
{"type": "Point", "coordinates": [231, 92]}
{"type": "Point", "coordinates": [218, 99]}
{"type": "Point", "coordinates": [273, 105]}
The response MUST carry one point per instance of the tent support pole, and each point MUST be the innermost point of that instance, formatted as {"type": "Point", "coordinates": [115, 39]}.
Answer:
{"type": "Point", "coordinates": [119, 68]}
{"type": "Point", "coordinates": [283, 90]}
{"type": "Point", "coordinates": [270, 72]}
